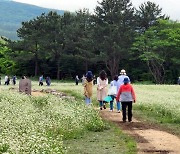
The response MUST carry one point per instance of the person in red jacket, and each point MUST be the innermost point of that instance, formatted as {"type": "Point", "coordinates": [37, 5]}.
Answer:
{"type": "Point", "coordinates": [126, 96]}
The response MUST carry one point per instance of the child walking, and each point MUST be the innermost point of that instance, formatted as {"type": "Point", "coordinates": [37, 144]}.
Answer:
{"type": "Point", "coordinates": [88, 86]}
{"type": "Point", "coordinates": [126, 96]}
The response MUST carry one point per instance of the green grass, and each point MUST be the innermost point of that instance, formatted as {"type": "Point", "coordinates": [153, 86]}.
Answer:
{"type": "Point", "coordinates": [111, 140]}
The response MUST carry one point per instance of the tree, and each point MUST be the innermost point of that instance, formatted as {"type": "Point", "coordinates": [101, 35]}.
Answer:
{"type": "Point", "coordinates": [113, 32]}
{"type": "Point", "coordinates": [54, 36]}
{"type": "Point", "coordinates": [80, 37]}
{"type": "Point", "coordinates": [148, 14]}
{"type": "Point", "coordinates": [7, 66]}
{"type": "Point", "coordinates": [30, 34]}
{"type": "Point", "coordinates": [159, 47]}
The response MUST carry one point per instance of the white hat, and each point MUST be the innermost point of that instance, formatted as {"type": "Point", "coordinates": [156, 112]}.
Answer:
{"type": "Point", "coordinates": [123, 72]}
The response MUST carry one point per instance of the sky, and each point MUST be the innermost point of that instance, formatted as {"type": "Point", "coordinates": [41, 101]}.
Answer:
{"type": "Point", "coordinates": [170, 7]}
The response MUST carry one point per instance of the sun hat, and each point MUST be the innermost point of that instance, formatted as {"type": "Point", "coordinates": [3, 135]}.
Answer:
{"type": "Point", "coordinates": [123, 72]}
{"type": "Point", "coordinates": [89, 74]}
{"type": "Point", "coordinates": [126, 80]}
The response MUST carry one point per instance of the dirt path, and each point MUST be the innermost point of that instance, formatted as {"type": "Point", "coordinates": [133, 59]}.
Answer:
{"type": "Point", "coordinates": [149, 138]}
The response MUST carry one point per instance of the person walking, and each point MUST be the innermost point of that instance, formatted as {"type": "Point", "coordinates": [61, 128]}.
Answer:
{"type": "Point", "coordinates": [121, 77]}
{"type": "Point", "coordinates": [121, 82]}
{"type": "Point", "coordinates": [88, 87]}
{"type": "Point", "coordinates": [114, 84]}
{"type": "Point", "coordinates": [102, 83]}
{"type": "Point", "coordinates": [126, 96]}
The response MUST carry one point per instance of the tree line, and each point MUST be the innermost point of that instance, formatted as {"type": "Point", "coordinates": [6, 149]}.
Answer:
{"type": "Point", "coordinates": [116, 35]}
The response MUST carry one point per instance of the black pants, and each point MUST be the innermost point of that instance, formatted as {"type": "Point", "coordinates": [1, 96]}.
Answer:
{"type": "Point", "coordinates": [124, 106]}
{"type": "Point", "coordinates": [40, 83]}
{"type": "Point", "coordinates": [76, 82]}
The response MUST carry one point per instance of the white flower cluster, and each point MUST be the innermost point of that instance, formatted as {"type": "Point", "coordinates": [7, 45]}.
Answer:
{"type": "Point", "coordinates": [39, 124]}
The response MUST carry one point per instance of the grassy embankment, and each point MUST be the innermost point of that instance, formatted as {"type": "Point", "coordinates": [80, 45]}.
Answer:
{"type": "Point", "coordinates": [50, 124]}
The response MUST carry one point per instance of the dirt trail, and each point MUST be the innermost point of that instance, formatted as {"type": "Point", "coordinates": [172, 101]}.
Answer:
{"type": "Point", "coordinates": [149, 138]}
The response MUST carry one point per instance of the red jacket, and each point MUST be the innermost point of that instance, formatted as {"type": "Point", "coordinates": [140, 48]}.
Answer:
{"type": "Point", "coordinates": [126, 93]}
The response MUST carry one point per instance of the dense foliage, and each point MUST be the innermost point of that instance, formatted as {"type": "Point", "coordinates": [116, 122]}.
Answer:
{"type": "Point", "coordinates": [141, 40]}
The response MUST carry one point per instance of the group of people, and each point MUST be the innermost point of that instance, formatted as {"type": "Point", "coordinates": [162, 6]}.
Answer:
{"type": "Point", "coordinates": [120, 90]}
{"type": "Point", "coordinates": [41, 79]}
{"type": "Point", "coordinates": [83, 79]}
{"type": "Point", "coordinates": [7, 80]}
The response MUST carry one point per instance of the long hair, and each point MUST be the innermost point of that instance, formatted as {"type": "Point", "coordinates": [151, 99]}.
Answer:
{"type": "Point", "coordinates": [102, 75]}
{"type": "Point", "coordinates": [116, 77]}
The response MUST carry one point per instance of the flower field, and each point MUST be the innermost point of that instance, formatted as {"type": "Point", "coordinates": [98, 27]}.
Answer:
{"type": "Point", "coordinates": [162, 101]}
{"type": "Point", "coordinates": [40, 124]}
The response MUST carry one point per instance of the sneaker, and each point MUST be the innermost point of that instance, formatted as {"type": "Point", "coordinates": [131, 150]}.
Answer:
{"type": "Point", "coordinates": [100, 108]}
{"type": "Point", "coordinates": [111, 110]}
{"type": "Point", "coordinates": [124, 121]}
{"type": "Point", "coordinates": [118, 111]}
{"type": "Point", "coordinates": [104, 107]}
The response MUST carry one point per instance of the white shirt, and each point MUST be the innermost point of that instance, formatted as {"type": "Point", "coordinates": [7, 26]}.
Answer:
{"type": "Point", "coordinates": [6, 78]}
{"type": "Point", "coordinates": [98, 83]}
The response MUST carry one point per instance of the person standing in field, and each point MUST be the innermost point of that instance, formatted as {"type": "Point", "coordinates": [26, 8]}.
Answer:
{"type": "Point", "coordinates": [83, 79]}
{"type": "Point", "coordinates": [5, 80]}
{"type": "Point", "coordinates": [88, 87]}
{"type": "Point", "coordinates": [121, 82]}
{"type": "Point", "coordinates": [41, 80]}
{"type": "Point", "coordinates": [77, 79]}
{"type": "Point", "coordinates": [14, 80]}
{"type": "Point", "coordinates": [8, 80]}
{"type": "Point", "coordinates": [94, 80]}
{"type": "Point", "coordinates": [102, 83]}
{"type": "Point", "coordinates": [126, 96]}
{"type": "Point", "coordinates": [113, 83]}
{"type": "Point", "coordinates": [48, 81]}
